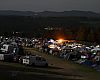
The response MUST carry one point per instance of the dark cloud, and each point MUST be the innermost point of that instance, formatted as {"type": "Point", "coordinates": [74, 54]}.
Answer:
{"type": "Point", "coordinates": [51, 5]}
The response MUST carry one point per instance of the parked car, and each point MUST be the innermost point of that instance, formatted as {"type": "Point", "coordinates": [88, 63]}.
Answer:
{"type": "Point", "coordinates": [35, 60]}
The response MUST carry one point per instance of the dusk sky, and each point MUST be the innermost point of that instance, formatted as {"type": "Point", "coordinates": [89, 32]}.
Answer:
{"type": "Point", "coordinates": [50, 5]}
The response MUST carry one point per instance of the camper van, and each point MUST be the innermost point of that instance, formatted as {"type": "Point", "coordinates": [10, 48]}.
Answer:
{"type": "Point", "coordinates": [8, 49]}
{"type": "Point", "coordinates": [35, 60]}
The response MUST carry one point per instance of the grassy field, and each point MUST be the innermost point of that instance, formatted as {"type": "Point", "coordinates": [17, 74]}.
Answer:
{"type": "Point", "coordinates": [67, 67]}
{"type": "Point", "coordinates": [15, 71]}
{"type": "Point", "coordinates": [58, 69]}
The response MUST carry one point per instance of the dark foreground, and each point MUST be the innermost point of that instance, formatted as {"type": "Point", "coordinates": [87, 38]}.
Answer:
{"type": "Point", "coordinates": [58, 70]}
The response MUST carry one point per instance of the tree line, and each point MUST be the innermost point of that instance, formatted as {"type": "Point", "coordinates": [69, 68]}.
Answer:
{"type": "Point", "coordinates": [72, 27]}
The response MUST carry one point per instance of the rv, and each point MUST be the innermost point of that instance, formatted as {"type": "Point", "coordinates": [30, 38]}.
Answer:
{"type": "Point", "coordinates": [7, 52]}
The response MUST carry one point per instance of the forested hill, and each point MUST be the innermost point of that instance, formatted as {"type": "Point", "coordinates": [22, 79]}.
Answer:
{"type": "Point", "coordinates": [50, 13]}
{"type": "Point", "coordinates": [28, 23]}
{"type": "Point", "coordinates": [79, 28]}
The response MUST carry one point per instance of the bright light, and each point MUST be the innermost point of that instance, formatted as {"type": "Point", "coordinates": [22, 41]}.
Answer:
{"type": "Point", "coordinates": [79, 46]}
{"type": "Point", "coordinates": [98, 46]}
{"type": "Point", "coordinates": [60, 40]}
{"type": "Point", "coordinates": [83, 57]}
{"type": "Point", "coordinates": [6, 38]}
{"type": "Point", "coordinates": [51, 40]}
{"type": "Point", "coordinates": [59, 48]}
{"type": "Point", "coordinates": [51, 46]}
{"type": "Point", "coordinates": [94, 53]}
{"type": "Point", "coordinates": [1, 37]}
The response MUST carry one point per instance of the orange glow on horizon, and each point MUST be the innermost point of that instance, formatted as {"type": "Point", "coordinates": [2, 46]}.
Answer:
{"type": "Point", "coordinates": [60, 40]}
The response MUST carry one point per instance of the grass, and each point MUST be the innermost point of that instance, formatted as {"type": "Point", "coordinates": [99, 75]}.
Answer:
{"type": "Point", "coordinates": [59, 69]}
{"type": "Point", "coordinates": [18, 71]}
{"type": "Point", "coordinates": [87, 72]}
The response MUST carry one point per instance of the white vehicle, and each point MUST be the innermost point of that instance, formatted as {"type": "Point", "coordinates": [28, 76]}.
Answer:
{"type": "Point", "coordinates": [34, 60]}
{"type": "Point", "coordinates": [7, 48]}
{"type": "Point", "coordinates": [7, 51]}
